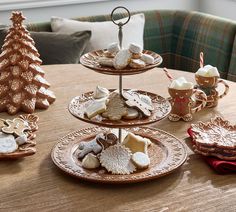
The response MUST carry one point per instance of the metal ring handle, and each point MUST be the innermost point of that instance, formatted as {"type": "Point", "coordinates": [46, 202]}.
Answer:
{"type": "Point", "coordinates": [120, 23]}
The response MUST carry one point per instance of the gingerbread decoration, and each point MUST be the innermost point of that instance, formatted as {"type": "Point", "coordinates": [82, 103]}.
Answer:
{"type": "Point", "coordinates": [16, 126]}
{"type": "Point", "coordinates": [22, 83]}
{"type": "Point", "coordinates": [116, 108]}
{"type": "Point", "coordinates": [133, 100]}
{"type": "Point", "coordinates": [208, 78]}
{"type": "Point", "coordinates": [182, 105]}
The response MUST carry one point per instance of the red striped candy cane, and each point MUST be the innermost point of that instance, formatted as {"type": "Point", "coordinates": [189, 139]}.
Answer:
{"type": "Point", "coordinates": [201, 59]}
{"type": "Point", "coordinates": [168, 74]}
{"type": "Point", "coordinates": [203, 99]}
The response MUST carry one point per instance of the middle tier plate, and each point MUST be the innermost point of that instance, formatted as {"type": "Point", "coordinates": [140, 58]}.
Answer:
{"type": "Point", "coordinates": [161, 106]}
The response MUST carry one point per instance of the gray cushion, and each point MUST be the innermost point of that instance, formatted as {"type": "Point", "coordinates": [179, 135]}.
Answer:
{"type": "Point", "coordinates": [55, 48]}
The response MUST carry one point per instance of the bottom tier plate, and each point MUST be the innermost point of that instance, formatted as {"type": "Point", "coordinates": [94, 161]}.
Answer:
{"type": "Point", "coordinates": [166, 154]}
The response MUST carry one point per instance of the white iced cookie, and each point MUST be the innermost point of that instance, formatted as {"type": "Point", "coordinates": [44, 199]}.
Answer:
{"type": "Point", "coordinates": [135, 48]}
{"type": "Point", "coordinates": [137, 63]}
{"type": "Point", "coordinates": [113, 48]}
{"type": "Point", "coordinates": [208, 71]}
{"type": "Point", "coordinates": [146, 99]}
{"type": "Point", "coordinates": [90, 161]}
{"type": "Point", "coordinates": [21, 139]}
{"type": "Point", "coordinates": [122, 59]}
{"type": "Point", "coordinates": [100, 92]}
{"type": "Point", "coordinates": [132, 113]}
{"type": "Point", "coordinates": [147, 58]}
{"type": "Point", "coordinates": [135, 143]}
{"type": "Point", "coordinates": [95, 108]}
{"type": "Point", "coordinates": [140, 160]}
{"type": "Point", "coordinates": [148, 141]}
{"type": "Point", "coordinates": [7, 143]}
{"type": "Point", "coordinates": [181, 84]}
{"type": "Point", "coordinates": [105, 61]}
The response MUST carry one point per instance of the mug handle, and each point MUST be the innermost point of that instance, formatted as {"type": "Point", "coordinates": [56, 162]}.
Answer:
{"type": "Point", "coordinates": [226, 88]}
{"type": "Point", "coordinates": [203, 99]}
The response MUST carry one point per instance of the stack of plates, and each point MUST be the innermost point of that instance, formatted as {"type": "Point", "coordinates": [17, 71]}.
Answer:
{"type": "Point", "coordinates": [215, 138]}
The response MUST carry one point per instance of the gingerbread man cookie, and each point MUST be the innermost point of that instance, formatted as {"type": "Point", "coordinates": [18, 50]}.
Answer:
{"type": "Point", "coordinates": [115, 108]}
{"type": "Point", "coordinates": [133, 100]}
{"type": "Point", "coordinates": [87, 147]}
{"type": "Point", "coordinates": [16, 126]}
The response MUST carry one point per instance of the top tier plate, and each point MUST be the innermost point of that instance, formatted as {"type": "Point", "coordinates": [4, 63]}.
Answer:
{"type": "Point", "coordinates": [90, 60]}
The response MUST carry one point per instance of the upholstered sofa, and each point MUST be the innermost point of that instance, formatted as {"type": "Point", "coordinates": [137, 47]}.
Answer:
{"type": "Point", "coordinates": [179, 36]}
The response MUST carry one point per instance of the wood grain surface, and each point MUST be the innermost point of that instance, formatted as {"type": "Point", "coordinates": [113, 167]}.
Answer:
{"type": "Point", "coordinates": [36, 184]}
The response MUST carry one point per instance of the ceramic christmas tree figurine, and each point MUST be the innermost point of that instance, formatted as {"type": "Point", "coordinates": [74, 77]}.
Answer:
{"type": "Point", "coordinates": [22, 83]}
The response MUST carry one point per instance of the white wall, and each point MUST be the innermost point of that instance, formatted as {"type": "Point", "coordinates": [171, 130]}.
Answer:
{"type": "Point", "coordinates": [96, 8]}
{"type": "Point", "coordinates": [223, 8]}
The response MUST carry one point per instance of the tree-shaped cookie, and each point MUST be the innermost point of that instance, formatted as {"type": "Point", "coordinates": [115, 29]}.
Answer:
{"type": "Point", "coordinates": [22, 83]}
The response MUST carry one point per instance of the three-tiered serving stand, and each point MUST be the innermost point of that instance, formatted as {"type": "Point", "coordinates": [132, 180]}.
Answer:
{"type": "Point", "coordinates": [166, 154]}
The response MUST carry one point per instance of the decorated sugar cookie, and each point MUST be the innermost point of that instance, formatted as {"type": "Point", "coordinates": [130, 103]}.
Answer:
{"type": "Point", "coordinates": [141, 160]}
{"type": "Point", "coordinates": [87, 147]}
{"type": "Point", "coordinates": [137, 63]}
{"type": "Point", "coordinates": [122, 59]}
{"type": "Point", "coordinates": [105, 61]}
{"type": "Point", "coordinates": [116, 108]}
{"type": "Point", "coordinates": [95, 108]}
{"type": "Point", "coordinates": [117, 160]}
{"type": "Point", "coordinates": [16, 126]}
{"type": "Point", "coordinates": [133, 100]}
{"type": "Point", "coordinates": [135, 143]}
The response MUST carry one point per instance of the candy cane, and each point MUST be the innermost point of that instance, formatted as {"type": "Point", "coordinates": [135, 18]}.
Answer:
{"type": "Point", "coordinates": [168, 74]}
{"type": "Point", "coordinates": [201, 59]}
{"type": "Point", "coordinates": [203, 99]}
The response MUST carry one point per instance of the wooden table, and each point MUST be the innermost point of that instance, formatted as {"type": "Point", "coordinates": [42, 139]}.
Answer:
{"type": "Point", "coordinates": [36, 184]}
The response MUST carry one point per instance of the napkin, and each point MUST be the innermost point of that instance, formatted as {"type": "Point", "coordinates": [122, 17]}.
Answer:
{"type": "Point", "coordinates": [219, 165]}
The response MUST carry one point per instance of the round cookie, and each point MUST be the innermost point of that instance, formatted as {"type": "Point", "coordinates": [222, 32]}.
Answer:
{"type": "Point", "coordinates": [122, 59]}
{"type": "Point", "coordinates": [136, 56]}
{"type": "Point", "coordinates": [147, 58]}
{"type": "Point", "coordinates": [108, 54]}
{"type": "Point", "coordinates": [137, 63]}
{"type": "Point", "coordinates": [132, 113]}
{"type": "Point", "coordinates": [105, 61]}
{"type": "Point", "coordinates": [135, 48]}
{"type": "Point", "coordinates": [113, 48]}
{"type": "Point", "coordinates": [140, 160]}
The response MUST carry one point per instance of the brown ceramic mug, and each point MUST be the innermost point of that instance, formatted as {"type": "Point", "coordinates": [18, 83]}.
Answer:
{"type": "Point", "coordinates": [182, 104]}
{"type": "Point", "coordinates": [209, 85]}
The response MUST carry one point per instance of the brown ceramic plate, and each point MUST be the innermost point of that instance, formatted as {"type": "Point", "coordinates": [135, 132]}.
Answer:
{"type": "Point", "coordinates": [162, 108]}
{"type": "Point", "coordinates": [90, 60]}
{"type": "Point", "coordinates": [167, 153]}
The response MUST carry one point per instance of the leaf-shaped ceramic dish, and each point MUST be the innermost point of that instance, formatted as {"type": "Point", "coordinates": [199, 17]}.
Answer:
{"type": "Point", "coordinates": [215, 133]}
{"type": "Point", "coordinates": [27, 148]}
